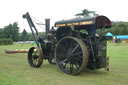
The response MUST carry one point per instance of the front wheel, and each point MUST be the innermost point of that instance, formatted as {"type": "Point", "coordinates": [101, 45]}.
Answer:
{"type": "Point", "coordinates": [35, 57]}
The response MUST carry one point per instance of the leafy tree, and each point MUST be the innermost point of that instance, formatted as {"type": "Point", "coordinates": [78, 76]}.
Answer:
{"type": "Point", "coordinates": [42, 34]}
{"type": "Point", "coordinates": [1, 33]}
{"type": "Point", "coordinates": [123, 29]}
{"type": "Point", "coordinates": [12, 31]}
{"type": "Point", "coordinates": [7, 31]}
{"type": "Point", "coordinates": [23, 36]}
{"type": "Point", "coordinates": [86, 13]}
{"type": "Point", "coordinates": [119, 28]}
{"type": "Point", "coordinates": [29, 37]}
{"type": "Point", "coordinates": [6, 41]}
{"type": "Point", "coordinates": [15, 31]}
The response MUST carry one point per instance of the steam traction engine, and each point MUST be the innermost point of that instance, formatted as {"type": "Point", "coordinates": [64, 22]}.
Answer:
{"type": "Point", "coordinates": [73, 46]}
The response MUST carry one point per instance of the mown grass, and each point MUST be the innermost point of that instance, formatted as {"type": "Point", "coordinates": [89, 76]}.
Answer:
{"type": "Point", "coordinates": [14, 69]}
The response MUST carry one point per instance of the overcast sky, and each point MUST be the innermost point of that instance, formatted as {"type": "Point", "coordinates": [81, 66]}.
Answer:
{"type": "Point", "coordinates": [12, 10]}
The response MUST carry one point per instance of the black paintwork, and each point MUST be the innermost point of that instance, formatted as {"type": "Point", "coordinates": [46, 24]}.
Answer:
{"type": "Point", "coordinates": [99, 21]}
{"type": "Point", "coordinates": [96, 45]}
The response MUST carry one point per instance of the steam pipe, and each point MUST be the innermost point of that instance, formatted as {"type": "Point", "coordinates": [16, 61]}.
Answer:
{"type": "Point", "coordinates": [47, 26]}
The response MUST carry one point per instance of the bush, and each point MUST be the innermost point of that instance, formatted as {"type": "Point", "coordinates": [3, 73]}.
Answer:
{"type": "Point", "coordinates": [10, 41]}
{"type": "Point", "coordinates": [6, 41]}
{"type": "Point", "coordinates": [1, 41]}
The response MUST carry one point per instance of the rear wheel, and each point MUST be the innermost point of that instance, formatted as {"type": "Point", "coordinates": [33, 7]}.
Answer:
{"type": "Point", "coordinates": [71, 55]}
{"type": "Point", "coordinates": [35, 57]}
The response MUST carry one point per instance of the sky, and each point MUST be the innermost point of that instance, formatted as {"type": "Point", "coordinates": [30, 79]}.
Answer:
{"type": "Point", "coordinates": [12, 10]}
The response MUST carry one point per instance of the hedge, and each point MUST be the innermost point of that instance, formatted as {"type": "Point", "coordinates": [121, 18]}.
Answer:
{"type": "Point", "coordinates": [6, 41]}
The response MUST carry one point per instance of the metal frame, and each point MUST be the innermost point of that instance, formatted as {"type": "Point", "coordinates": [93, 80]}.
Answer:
{"type": "Point", "coordinates": [91, 51]}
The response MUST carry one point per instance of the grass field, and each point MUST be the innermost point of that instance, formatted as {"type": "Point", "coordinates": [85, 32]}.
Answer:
{"type": "Point", "coordinates": [14, 70]}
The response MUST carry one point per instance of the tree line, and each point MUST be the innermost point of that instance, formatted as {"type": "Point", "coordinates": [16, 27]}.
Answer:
{"type": "Point", "coordinates": [10, 34]}
{"type": "Point", "coordinates": [118, 28]}
{"type": "Point", "coordinates": [11, 31]}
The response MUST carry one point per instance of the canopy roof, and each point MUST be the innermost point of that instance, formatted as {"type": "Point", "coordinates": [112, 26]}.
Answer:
{"type": "Point", "coordinates": [122, 37]}
{"type": "Point", "coordinates": [109, 34]}
{"type": "Point", "coordinates": [99, 21]}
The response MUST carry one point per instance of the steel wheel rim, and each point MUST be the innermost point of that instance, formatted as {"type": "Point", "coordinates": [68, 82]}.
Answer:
{"type": "Point", "coordinates": [34, 58]}
{"type": "Point", "coordinates": [74, 58]}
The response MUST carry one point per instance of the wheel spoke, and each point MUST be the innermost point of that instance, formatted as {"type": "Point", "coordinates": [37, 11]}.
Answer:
{"type": "Point", "coordinates": [71, 68]}
{"type": "Point", "coordinates": [77, 66]}
{"type": "Point", "coordinates": [63, 61]}
{"type": "Point", "coordinates": [74, 49]}
{"type": "Point", "coordinates": [65, 64]}
{"type": "Point", "coordinates": [76, 54]}
{"type": "Point", "coordinates": [34, 62]}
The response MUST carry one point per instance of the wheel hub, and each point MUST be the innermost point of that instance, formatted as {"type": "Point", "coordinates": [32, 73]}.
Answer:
{"type": "Point", "coordinates": [35, 56]}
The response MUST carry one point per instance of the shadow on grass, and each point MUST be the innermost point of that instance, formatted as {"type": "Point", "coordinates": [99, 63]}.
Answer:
{"type": "Point", "coordinates": [97, 72]}
{"type": "Point", "coordinates": [85, 72]}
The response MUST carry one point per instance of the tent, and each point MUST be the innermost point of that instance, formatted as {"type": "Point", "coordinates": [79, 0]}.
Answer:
{"type": "Point", "coordinates": [109, 34]}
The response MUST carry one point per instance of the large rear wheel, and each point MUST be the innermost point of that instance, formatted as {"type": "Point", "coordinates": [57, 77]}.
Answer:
{"type": "Point", "coordinates": [71, 55]}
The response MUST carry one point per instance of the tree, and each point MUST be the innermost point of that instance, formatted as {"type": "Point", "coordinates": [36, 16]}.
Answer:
{"type": "Point", "coordinates": [29, 37]}
{"type": "Point", "coordinates": [118, 28]}
{"type": "Point", "coordinates": [86, 13]}
{"type": "Point", "coordinates": [23, 35]}
{"type": "Point", "coordinates": [7, 31]}
{"type": "Point", "coordinates": [15, 31]}
{"type": "Point", "coordinates": [1, 33]}
{"type": "Point", "coordinates": [12, 31]}
{"type": "Point", "coordinates": [123, 29]}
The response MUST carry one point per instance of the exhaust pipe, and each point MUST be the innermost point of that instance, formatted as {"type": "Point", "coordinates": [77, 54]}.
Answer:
{"type": "Point", "coordinates": [47, 26]}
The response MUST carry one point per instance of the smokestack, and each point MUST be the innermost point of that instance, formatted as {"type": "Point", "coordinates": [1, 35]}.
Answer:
{"type": "Point", "coordinates": [47, 26]}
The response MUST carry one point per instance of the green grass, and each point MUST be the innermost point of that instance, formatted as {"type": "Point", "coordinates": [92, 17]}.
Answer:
{"type": "Point", "coordinates": [15, 70]}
